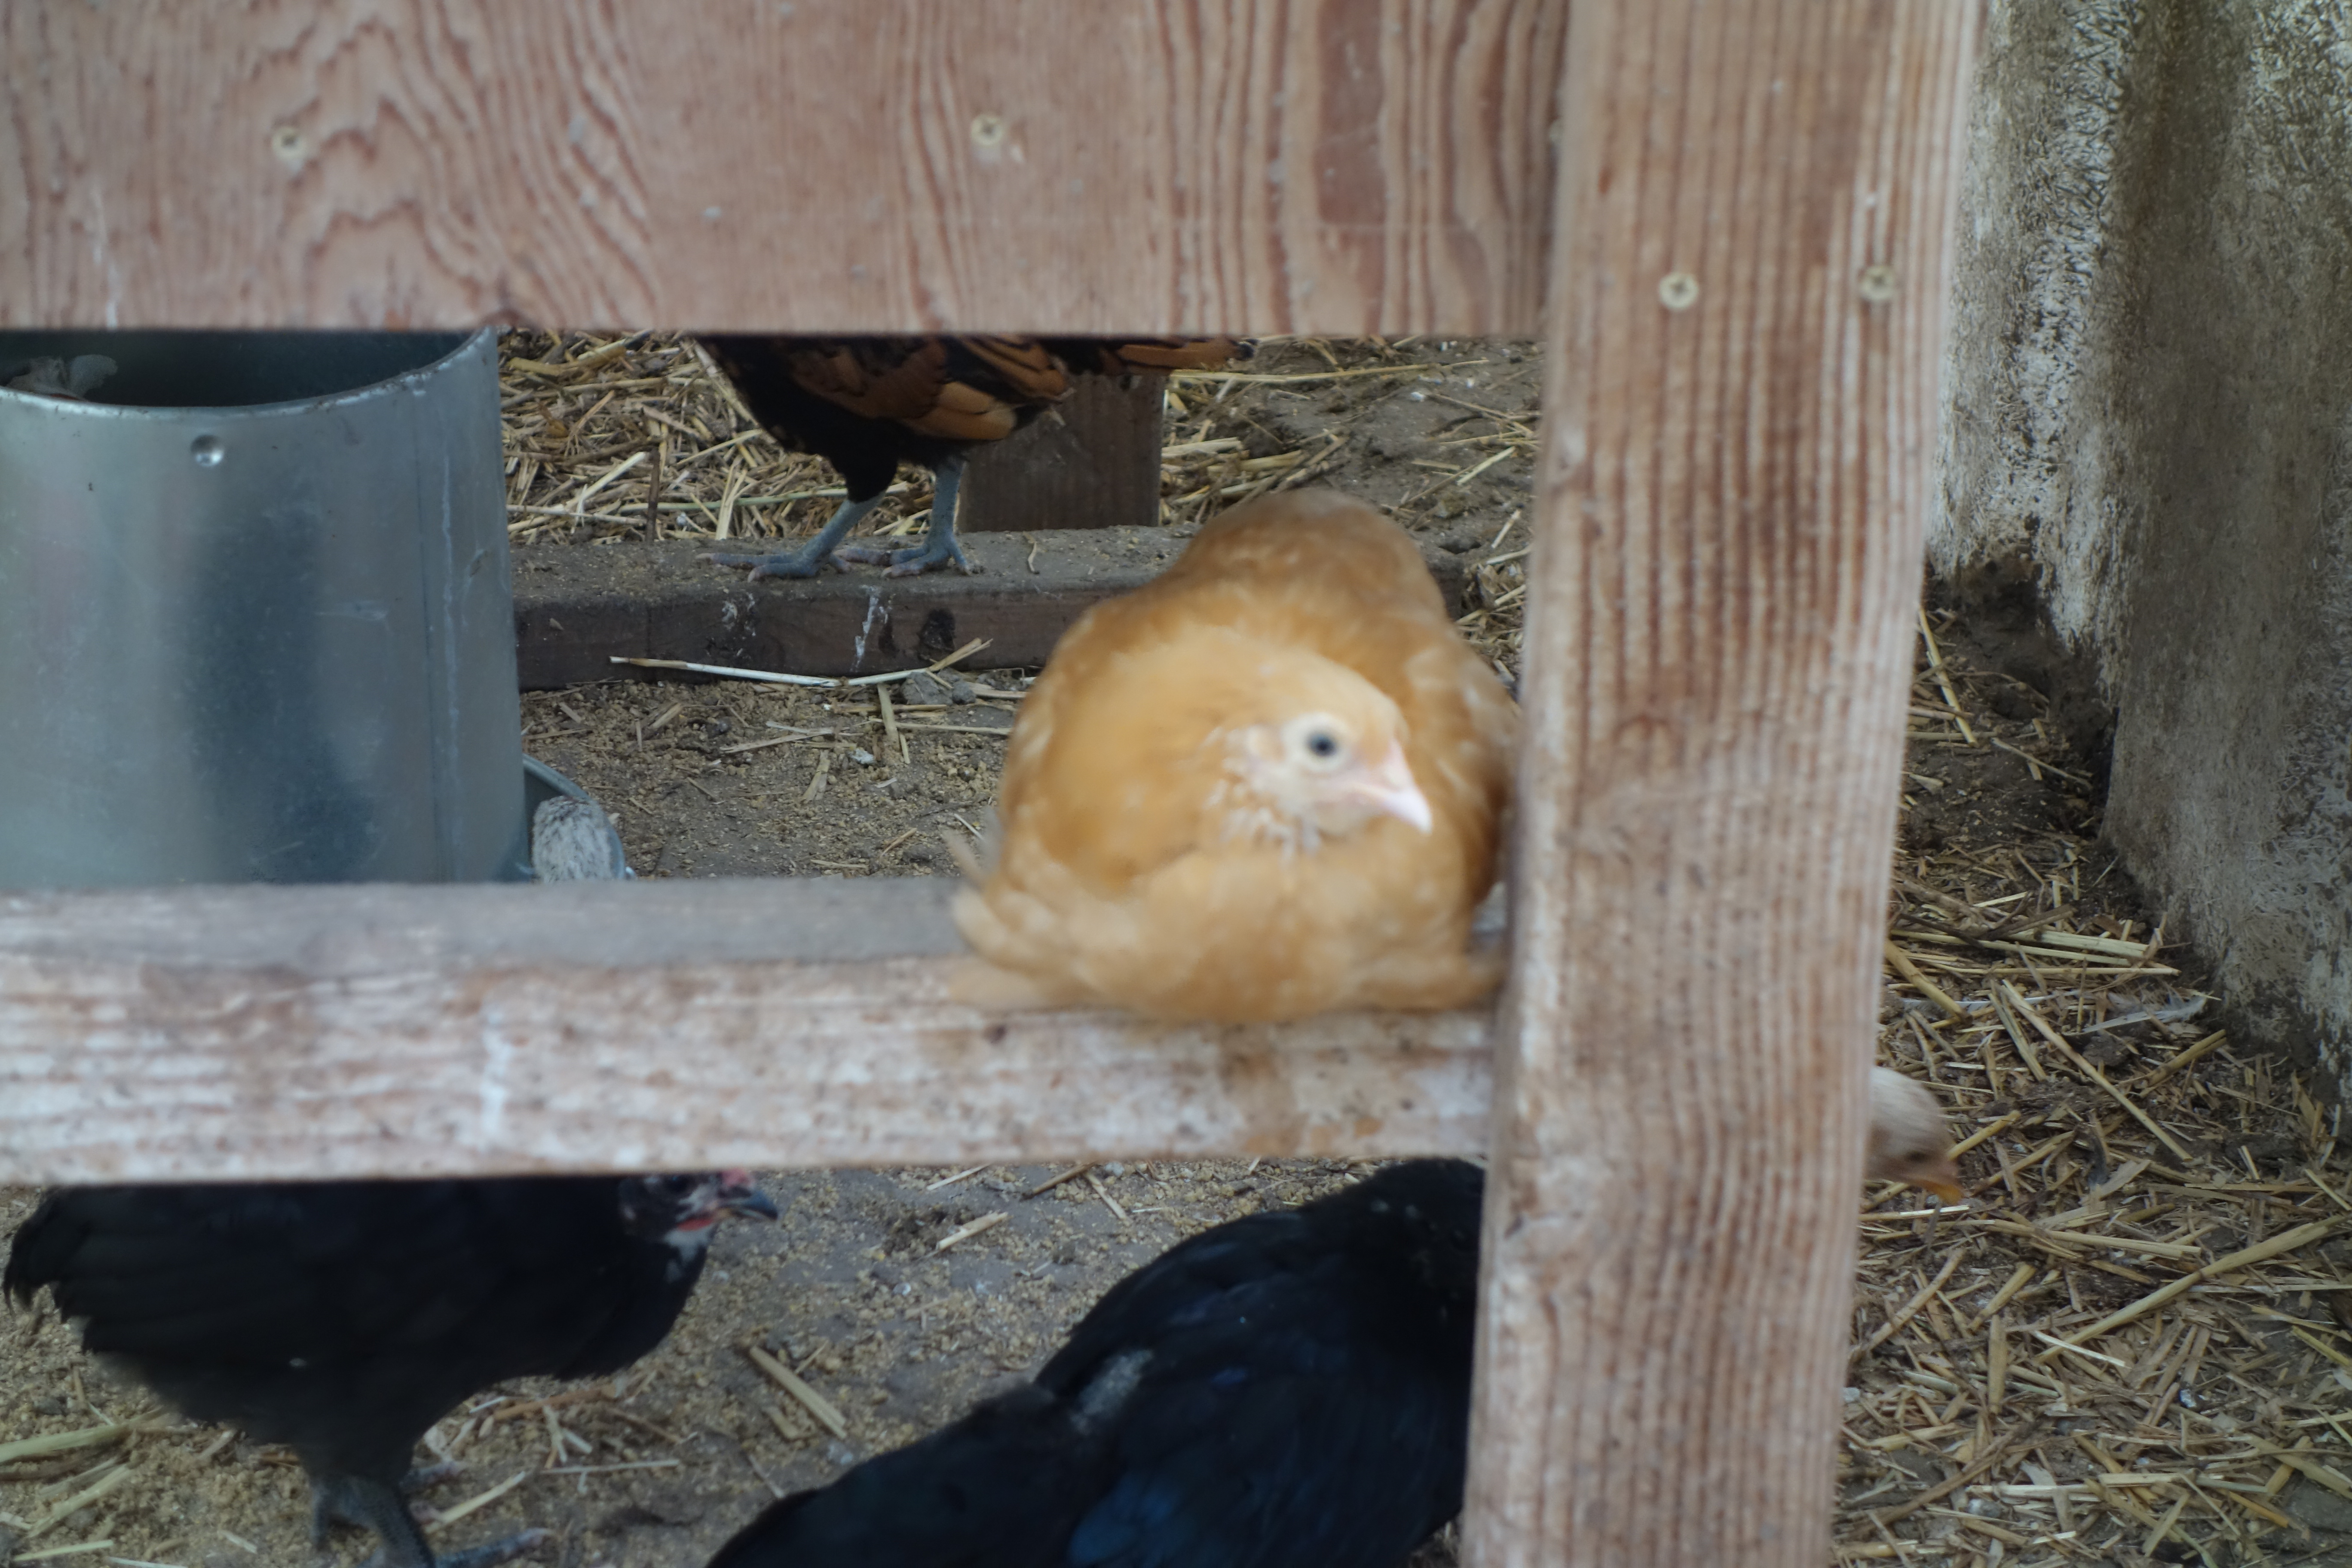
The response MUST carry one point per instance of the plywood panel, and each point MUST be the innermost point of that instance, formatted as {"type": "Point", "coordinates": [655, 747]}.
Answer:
{"type": "Point", "coordinates": [1082, 165]}
{"type": "Point", "coordinates": [1747, 322]}
{"type": "Point", "coordinates": [358, 1031]}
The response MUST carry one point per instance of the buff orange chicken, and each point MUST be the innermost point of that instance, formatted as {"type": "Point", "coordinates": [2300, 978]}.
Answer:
{"type": "Point", "coordinates": [1269, 784]}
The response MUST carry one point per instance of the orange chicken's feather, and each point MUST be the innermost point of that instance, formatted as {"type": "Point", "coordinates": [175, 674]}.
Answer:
{"type": "Point", "coordinates": [1136, 866]}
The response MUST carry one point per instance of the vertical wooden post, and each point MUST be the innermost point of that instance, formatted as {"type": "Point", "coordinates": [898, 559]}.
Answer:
{"type": "Point", "coordinates": [1747, 300]}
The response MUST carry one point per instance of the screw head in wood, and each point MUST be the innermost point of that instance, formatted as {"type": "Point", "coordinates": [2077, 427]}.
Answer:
{"type": "Point", "coordinates": [988, 131]}
{"type": "Point", "coordinates": [291, 149]}
{"type": "Point", "coordinates": [1678, 290]}
{"type": "Point", "coordinates": [1876, 284]}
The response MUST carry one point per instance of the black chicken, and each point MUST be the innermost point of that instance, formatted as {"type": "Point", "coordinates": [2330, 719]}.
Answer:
{"type": "Point", "coordinates": [868, 405]}
{"type": "Point", "coordinates": [345, 1317]}
{"type": "Point", "coordinates": [1287, 1391]}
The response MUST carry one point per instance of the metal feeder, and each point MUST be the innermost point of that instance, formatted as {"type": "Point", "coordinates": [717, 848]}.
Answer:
{"type": "Point", "coordinates": [255, 611]}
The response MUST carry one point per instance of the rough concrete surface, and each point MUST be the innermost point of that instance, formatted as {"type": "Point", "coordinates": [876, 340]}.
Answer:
{"type": "Point", "coordinates": [2149, 396]}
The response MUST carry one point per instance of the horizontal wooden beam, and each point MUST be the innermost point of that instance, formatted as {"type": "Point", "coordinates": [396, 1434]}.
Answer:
{"type": "Point", "coordinates": [578, 605]}
{"type": "Point", "coordinates": [1333, 166]}
{"type": "Point", "coordinates": [229, 1033]}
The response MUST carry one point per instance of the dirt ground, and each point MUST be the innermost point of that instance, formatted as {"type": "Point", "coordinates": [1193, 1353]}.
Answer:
{"type": "Point", "coordinates": [1943, 1456]}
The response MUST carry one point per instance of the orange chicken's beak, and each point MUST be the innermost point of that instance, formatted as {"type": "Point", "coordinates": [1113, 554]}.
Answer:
{"type": "Point", "coordinates": [1388, 788]}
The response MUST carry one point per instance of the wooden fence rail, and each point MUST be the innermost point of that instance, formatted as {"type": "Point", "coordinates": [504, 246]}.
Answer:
{"type": "Point", "coordinates": [366, 1031]}
{"type": "Point", "coordinates": [1735, 219]}
{"type": "Point", "coordinates": [874, 165]}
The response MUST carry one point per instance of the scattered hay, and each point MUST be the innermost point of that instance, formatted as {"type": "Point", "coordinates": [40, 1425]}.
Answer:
{"type": "Point", "coordinates": [2126, 1346]}
{"type": "Point", "coordinates": [2130, 1345]}
{"type": "Point", "coordinates": [610, 438]}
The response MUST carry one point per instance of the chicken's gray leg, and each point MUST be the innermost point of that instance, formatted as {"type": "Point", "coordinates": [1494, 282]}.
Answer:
{"type": "Point", "coordinates": [355, 1500]}
{"type": "Point", "coordinates": [939, 547]}
{"type": "Point", "coordinates": [812, 557]}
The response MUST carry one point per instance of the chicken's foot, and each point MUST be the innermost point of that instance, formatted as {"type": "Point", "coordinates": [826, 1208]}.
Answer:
{"type": "Point", "coordinates": [371, 1505]}
{"type": "Point", "coordinates": [940, 546]}
{"type": "Point", "coordinates": [811, 558]}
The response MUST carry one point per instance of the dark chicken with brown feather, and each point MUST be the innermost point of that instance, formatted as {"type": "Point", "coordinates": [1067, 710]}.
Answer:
{"type": "Point", "coordinates": [345, 1318]}
{"type": "Point", "coordinates": [868, 405]}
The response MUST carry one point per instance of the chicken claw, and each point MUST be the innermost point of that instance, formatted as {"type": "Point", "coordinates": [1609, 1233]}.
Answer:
{"type": "Point", "coordinates": [912, 562]}
{"type": "Point", "coordinates": [868, 405]}
{"type": "Point", "coordinates": [811, 558]}
{"type": "Point", "coordinates": [782, 564]}
{"type": "Point", "coordinates": [940, 546]}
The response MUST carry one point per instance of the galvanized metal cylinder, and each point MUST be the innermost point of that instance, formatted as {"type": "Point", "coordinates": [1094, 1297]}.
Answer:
{"type": "Point", "coordinates": [256, 615]}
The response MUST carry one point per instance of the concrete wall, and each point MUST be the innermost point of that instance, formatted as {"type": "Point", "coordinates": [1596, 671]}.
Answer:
{"type": "Point", "coordinates": [2149, 416]}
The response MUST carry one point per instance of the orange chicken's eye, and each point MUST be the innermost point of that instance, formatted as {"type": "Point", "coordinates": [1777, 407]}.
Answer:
{"type": "Point", "coordinates": [1318, 742]}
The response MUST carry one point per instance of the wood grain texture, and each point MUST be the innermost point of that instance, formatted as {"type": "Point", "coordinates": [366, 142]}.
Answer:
{"type": "Point", "coordinates": [1718, 644]}
{"type": "Point", "coordinates": [1092, 460]}
{"type": "Point", "coordinates": [1339, 166]}
{"type": "Point", "coordinates": [228, 1033]}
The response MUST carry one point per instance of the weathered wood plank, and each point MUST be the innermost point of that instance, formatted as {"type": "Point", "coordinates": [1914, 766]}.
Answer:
{"type": "Point", "coordinates": [577, 605]}
{"type": "Point", "coordinates": [1747, 303]}
{"type": "Point", "coordinates": [357, 1031]}
{"type": "Point", "coordinates": [881, 165]}
{"type": "Point", "coordinates": [1092, 460]}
